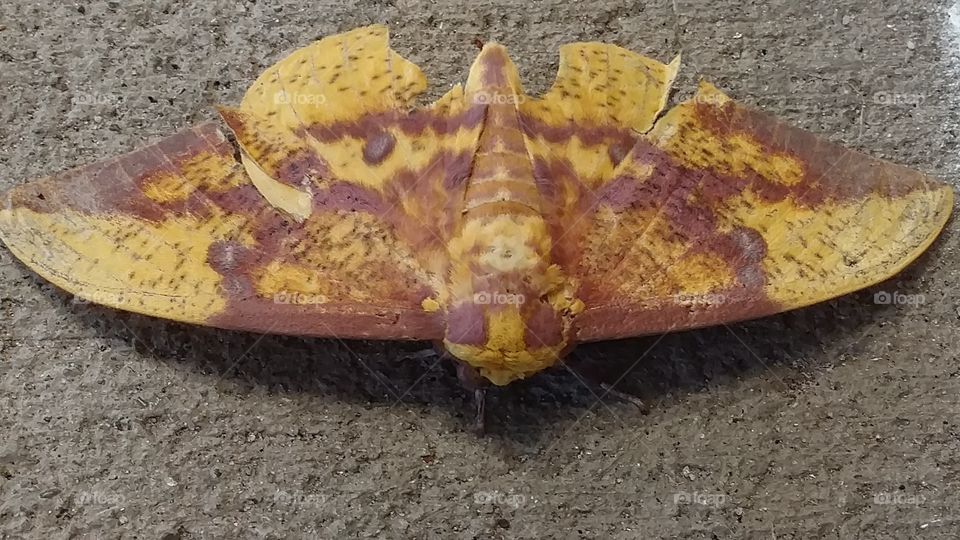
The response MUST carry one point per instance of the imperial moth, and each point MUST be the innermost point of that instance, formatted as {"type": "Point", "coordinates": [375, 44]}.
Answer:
{"type": "Point", "coordinates": [506, 227]}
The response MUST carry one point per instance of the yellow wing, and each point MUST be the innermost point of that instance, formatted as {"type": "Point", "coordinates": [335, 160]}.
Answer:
{"type": "Point", "coordinates": [336, 115]}
{"type": "Point", "coordinates": [714, 212]}
{"type": "Point", "coordinates": [580, 131]}
{"type": "Point", "coordinates": [177, 230]}
{"type": "Point", "coordinates": [721, 213]}
{"type": "Point", "coordinates": [330, 220]}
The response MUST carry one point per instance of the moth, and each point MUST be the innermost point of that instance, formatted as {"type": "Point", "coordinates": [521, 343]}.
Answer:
{"type": "Point", "coordinates": [504, 227]}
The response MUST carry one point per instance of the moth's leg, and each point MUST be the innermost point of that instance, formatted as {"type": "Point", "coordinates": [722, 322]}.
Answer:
{"type": "Point", "coordinates": [420, 355]}
{"type": "Point", "coordinates": [611, 391]}
{"type": "Point", "coordinates": [601, 389]}
{"type": "Point", "coordinates": [473, 382]}
{"type": "Point", "coordinates": [470, 379]}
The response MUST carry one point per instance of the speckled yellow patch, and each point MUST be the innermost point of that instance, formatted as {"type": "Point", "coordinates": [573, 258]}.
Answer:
{"type": "Point", "coordinates": [158, 269]}
{"type": "Point", "coordinates": [599, 83]}
{"type": "Point", "coordinates": [737, 155]}
{"type": "Point", "coordinates": [351, 244]}
{"type": "Point", "coordinates": [197, 173]}
{"type": "Point", "coordinates": [338, 78]}
{"type": "Point", "coordinates": [817, 253]}
{"type": "Point", "coordinates": [167, 188]}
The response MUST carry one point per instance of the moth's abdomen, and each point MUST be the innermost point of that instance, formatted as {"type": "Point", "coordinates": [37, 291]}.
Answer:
{"type": "Point", "coordinates": [501, 179]}
{"type": "Point", "coordinates": [502, 171]}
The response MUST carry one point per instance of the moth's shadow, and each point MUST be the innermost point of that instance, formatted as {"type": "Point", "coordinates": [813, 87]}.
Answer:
{"type": "Point", "coordinates": [786, 350]}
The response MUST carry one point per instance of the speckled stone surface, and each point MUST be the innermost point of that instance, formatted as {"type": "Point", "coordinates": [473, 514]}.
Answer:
{"type": "Point", "coordinates": [834, 421]}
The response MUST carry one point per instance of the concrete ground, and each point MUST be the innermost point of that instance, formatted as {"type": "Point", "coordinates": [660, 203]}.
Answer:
{"type": "Point", "coordinates": [836, 421]}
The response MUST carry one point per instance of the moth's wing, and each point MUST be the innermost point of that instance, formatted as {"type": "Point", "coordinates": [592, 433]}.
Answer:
{"type": "Point", "coordinates": [336, 118]}
{"type": "Point", "coordinates": [177, 230]}
{"type": "Point", "coordinates": [330, 220]}
{"type": "Point", "coordinates": [579, 132]}
{"type": "Point", "coordinates": [602, 85]}
{"type": "Point", "coordinates": [722, 213]}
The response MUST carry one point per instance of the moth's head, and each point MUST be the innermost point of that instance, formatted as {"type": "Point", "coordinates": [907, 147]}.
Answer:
{"type": "Point", "coordinates": [507, 333]}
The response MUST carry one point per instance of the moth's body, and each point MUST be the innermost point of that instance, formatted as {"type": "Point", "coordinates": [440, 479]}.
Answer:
{"type": "Point", "coordinates": [509, 307]}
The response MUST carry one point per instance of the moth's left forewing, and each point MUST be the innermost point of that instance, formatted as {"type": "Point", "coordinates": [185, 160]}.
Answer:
{"type": "Point", "coordinates": [177, 230]}
{"type": "Point", "coordinates": [722, 213]}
